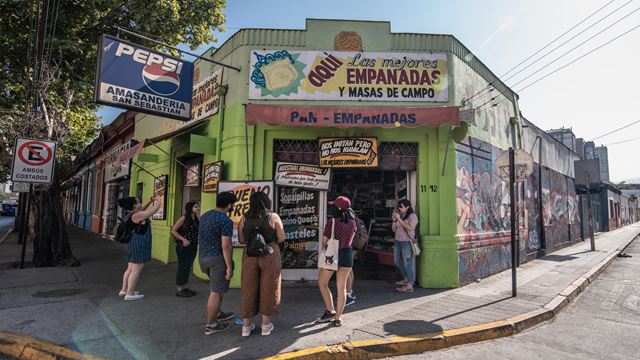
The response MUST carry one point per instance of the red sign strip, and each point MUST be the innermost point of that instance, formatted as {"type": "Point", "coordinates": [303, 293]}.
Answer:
{"type": "Point", "coordinates": [345, 117]}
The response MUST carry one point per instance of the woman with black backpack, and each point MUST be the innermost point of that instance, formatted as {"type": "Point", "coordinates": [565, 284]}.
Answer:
{"type": "Point", "coordinates": [185, 233]}
{"type": "Point", "coordinates": [261, 230]}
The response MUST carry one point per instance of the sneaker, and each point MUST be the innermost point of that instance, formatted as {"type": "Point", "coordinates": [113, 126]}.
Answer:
{"type": "Point", "coordinates": [405, 289]}
{"type": "Point", "coordinates": [123, 293]}
{"type": "Point", "coordinates": [267, 329]}
{"type": "Point", "coordinates": [223, 316]}
{"type": "Point", "coordinates": [246, 331]}
{"type": "Point", "coordinates": [184, 293]}
{"type": "Point", "coordinates": [190, 291]}
{"type": "Point", "coordinates": [218, 327]}
{"type": "Point", "coordinates": [351, 299]}
{"type": "Point", "coordinates": [326, 317]}
{"type": "Point", "coordinates": [401, 282]}
{"type": "Point", "coordinates": [133, 297]}
{"type": "Point", "coordinates": [337, 323]}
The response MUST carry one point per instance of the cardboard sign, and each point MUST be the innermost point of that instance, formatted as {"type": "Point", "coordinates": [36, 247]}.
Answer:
{"type": "Point", "coordinates": [212, 176]}
{"type": "Point", "coordinates": [348, 152]}
{"type": "Point", "coordinates": [299, 210]}
{"type": "Point", "coordinates": [302, 176]}
{"type": "Point", "coordinates": [133, 77]}
{"type": "Point", "coordinates": [243, 191]}
{"type": "Point", "coordinates": [33, 161]}
{"type": "Point", "coordinates": [206, 99]}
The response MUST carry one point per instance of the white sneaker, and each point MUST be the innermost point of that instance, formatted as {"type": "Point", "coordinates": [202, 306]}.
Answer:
{"type": "Point", "coordinates": [133, 297]}
{"type": "Point", "coordinates": [123, 293]}
{"type": "Point", "coordinates": [267, 329]}
{"type": "Point", "coordinates": [246, 331]}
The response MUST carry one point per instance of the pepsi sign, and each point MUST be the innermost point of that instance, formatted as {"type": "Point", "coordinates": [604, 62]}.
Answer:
{"type": "Point", "coordinates": [132, 77]}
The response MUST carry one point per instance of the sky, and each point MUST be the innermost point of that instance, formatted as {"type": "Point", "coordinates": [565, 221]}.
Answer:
{"type": "Point", "coordinates": [595, 95]}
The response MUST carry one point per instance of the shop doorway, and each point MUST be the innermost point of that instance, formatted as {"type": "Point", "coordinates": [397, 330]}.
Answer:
{"type": "Point", "coordinates": [374, 196]}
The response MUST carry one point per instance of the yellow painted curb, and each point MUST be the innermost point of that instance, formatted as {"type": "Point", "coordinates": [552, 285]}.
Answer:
{"type": "Point", "coordinates": [24, 347]}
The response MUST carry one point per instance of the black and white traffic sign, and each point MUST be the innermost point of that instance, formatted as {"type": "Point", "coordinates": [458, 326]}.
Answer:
{"type": "Point", "coordinates": [33, 161]}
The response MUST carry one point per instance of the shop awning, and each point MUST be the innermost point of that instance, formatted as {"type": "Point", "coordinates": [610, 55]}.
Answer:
{"type": "Point", "coordinates": [184, 127]}
{"type": "Point", "coordinates": [345, 117]}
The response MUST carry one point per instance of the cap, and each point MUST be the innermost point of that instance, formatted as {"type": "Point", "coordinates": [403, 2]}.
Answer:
{"type": "Point", "coordinates": [341, 202]}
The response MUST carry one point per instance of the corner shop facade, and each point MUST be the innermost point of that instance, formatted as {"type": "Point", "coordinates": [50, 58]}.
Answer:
{"type": "Point", "coordinates": [250, 134]}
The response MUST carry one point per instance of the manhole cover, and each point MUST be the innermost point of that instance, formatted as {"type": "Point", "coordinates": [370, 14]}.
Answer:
{"type": "Point", "coordinates": [58, 293]}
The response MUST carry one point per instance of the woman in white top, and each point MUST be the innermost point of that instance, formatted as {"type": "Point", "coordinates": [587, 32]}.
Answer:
{"type": "Point", "coordinates": [404, 227]}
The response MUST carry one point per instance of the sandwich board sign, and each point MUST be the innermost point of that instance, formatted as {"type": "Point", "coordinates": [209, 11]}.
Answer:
{"type": "Point", "coordinates": [33, 161]}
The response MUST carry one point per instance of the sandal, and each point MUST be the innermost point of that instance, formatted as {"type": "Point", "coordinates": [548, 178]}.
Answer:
{"type": "Point", "coordinates": [405, 289]}
{"type": "Point", "coordinates": [401, 283]}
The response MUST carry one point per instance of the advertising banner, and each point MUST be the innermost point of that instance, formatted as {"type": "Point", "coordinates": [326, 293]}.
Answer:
{"type": "Point", "coordinates": [348, 152]}
{"type": "Point", "coordinates": [302, 175]}
{"type": "Point", "coordinates": [206, 99]}
{"type": "Point", "coordinates": [132, 77]}
{"type": "Point", "coordinates": [160, 190]}
{"type": "Point", "coordinates": [212, 175]}
{"type": "Point", "coordinates": [243, 191]}
{"type": "Point", "coordinates": [345, 117]}
{"type": "Point", "coordinates": [348, 75]}
{"type": "Point", "coordinates": [299, 210]}
{"type": "Point", "coordinates": [33, 161]}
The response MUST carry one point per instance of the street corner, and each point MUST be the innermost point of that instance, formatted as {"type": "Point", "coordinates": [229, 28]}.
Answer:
{"type": "Point", "coordinates": [24, 347]}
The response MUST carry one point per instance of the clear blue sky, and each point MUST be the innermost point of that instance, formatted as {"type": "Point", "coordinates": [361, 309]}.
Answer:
{"type": "Point", "coordinates": [595, 95]}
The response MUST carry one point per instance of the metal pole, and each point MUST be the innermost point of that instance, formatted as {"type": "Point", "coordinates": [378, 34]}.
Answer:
{"type": "Point", "coordinates": [593, 240]}
{"type": "Point", "coordinates": [512, 180]}
{"type": "Point", "coordinates": [25, 226]}
{"type": "Point", "coordinates": [175, 48]}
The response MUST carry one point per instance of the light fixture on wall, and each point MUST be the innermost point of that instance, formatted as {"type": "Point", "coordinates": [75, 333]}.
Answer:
{"type": "Point", "coordinates": [223, 89]}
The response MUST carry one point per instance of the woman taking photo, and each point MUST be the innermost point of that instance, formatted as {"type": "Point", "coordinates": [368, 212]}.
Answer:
{"type": "Point", "coordinates": [138, 249]}
{"type": "Point", "coordinates": [185, 233]}
{"type": "Point", "coordinates": [404, 226]}
{"type": "Point", "coordinates": [343, 226]}
{"type": "Point", "coordinates": [260, 279]}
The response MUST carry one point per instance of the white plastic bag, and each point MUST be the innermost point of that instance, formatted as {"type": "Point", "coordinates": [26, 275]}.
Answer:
{"type": "Point", "coordinates": [328, 255]}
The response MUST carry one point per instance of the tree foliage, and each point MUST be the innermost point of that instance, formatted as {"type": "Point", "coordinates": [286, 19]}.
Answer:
{"type": "Point", "coordinates": [48, 52]}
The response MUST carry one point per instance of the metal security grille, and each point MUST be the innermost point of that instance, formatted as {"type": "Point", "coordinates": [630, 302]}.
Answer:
{"type": "Point", "coordinates": [300, 151]}
{"type": "Point", "coordinates": [399, 149]}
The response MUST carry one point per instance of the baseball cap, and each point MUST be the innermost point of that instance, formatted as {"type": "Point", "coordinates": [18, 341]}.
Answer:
{"type": "Point", "coordinates": [341, 202]}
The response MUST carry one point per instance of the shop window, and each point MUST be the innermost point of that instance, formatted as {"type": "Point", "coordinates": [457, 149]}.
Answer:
{"type": "Point", "coordinates": [398, 156]}
{"type": "Point", "coordinates": [298, 151]}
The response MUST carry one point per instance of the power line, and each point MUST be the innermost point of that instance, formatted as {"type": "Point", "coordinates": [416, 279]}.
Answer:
{"type": "Point", "coordinates": [573, 37]}
{"type": "Point", "coordinates": [616, 130]}
{"type": "Point", "coordinates": [622, 142]}
{"type": "Point", "coordinates": [554, 40]}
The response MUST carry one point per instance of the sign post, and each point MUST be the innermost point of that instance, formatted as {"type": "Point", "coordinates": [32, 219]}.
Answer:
{"type": "Point", "coordinates": [33, 163]}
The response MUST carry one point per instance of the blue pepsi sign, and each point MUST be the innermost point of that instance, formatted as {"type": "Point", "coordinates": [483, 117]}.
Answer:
{"type": "Point", "coordinates": [132, 77]}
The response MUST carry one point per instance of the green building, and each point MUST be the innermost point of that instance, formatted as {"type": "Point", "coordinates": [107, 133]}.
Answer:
{"type": "Point", "coordinates": [399, 100]}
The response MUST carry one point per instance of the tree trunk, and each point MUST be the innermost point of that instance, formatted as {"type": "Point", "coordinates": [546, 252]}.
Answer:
{"type": "Point", "coordinates": [48, 232]}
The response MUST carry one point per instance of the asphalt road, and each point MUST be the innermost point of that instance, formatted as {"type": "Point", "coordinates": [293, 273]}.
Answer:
{"type": "Point", "coordinates": [603, 323]}
{"type": "Point", "coordinates": [6, 223]}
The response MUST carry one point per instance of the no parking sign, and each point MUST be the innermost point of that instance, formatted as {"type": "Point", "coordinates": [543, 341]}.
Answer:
{"type": "Point", "coordinates": [33, 161]}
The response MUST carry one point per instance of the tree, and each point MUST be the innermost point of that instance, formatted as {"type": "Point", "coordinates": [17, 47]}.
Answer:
{"type": "Point", "coordinates": [48, 54]}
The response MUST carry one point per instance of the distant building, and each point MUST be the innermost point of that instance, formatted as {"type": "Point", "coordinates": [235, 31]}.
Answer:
{"type": "Point", "coordinates": [589, 150]}
{"type": "Point", "coordinates": [602, 154]}
{"type": "Point", "coordinates": [580, 148]}
{"type": "Point", "coordinates": [565, 136]}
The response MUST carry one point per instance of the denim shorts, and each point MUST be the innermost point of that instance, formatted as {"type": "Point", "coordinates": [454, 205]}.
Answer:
{"type": "Point", "coordinates": [345, 257]}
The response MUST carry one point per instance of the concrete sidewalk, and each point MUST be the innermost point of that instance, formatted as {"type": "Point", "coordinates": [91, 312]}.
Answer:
{"type": "Point", "coordinates": [79, 307]}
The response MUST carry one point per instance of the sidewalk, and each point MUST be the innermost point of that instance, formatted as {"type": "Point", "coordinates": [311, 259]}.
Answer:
{"type": "Point", "coordinates": [79, 307]}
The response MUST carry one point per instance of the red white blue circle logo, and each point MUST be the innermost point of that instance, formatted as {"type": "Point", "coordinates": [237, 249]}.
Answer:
{"type": "Point", "coordinates": [160, 81]}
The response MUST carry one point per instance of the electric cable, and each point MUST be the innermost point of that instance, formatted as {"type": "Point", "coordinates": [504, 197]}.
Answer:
{"type": "Point", "coordinates": [616, 130]}
{"type": "Point", "coordinates": [622, 142]}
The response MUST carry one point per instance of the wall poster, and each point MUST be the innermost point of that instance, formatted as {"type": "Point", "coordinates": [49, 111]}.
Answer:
{"type": "Point", "coordinates": [212, 176]}
{"type": "Point", "coordinates": [299, 210]}
{"type": "Point", "coordinates": [302, 175]}
{"type": "Point", "coordinates": [160, 190]}
{"type": "Point", "coordinates": [243, 191]}
{"type": "Point", "coordinates": [348, 152]}
{"type": "Point", "coordinates": [192, 177]}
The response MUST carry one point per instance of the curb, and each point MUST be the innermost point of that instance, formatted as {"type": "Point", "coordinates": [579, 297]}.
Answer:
{"type": "Point", "coordinates": [6, 235]}
{"type": "Point", "coordinates": [24, 347]}
{"type": "Point", "coordinates": [415, 344]}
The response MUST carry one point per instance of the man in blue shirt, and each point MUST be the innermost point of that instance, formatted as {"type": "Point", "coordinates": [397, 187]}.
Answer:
{"type": "Point", "coordinates": [216, 258]}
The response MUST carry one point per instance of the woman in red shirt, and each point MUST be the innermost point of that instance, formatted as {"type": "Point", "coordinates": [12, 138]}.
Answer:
{"type": "Point", "coordinates": [344, 229]}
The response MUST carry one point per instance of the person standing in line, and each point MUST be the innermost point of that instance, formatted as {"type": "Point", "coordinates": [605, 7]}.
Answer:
{"type": "Point", "coordinates": [216, 259]}
{"type": "Point", "coordinates": [185, 233]}
{"type": "Point", "coordinates": [404, 226]}
{"type": "Point", "coordinates": [351, 296]}
{"type": "Point", "coordinates": [344, 229]}
{"type": "Point", "coordinates": [138, 249]}
{"type": "Point", "coordinates": [260, 282]}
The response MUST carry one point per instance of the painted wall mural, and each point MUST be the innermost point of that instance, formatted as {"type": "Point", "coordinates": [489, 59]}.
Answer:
{"type": "Point", "coordinates": [483, 223]}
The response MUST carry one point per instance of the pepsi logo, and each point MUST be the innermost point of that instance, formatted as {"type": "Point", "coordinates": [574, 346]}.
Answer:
{"type": "Point", "coordinates": [161, 82]}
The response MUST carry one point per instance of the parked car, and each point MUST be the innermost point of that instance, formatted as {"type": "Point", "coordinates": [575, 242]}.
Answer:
{"type": "Point", "coordinates": [9, 207]}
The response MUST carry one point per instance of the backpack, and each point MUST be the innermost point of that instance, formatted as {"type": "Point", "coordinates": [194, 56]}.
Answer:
{"type": "Point", "coordinates": [123, 232]}
{"type": "Point", "coordinates": [256, 243]}
{"type": "Point", "coordinates": [362, 235]}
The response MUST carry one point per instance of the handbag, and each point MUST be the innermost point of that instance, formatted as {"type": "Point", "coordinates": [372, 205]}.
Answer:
{"type": "Point", "coordinates": [328, 255]}
{"type": "Point", "coordinates": [416, 248]}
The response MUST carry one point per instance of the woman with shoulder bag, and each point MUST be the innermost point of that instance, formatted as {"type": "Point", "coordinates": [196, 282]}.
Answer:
{"type": "Point", "coordinates": [260, 279]}
{"type": "Point", "coordinates": [404, 226]}
{"type": "Point", "coordinates": [138, 249]}
{"type": "Point", "coordinates": [341, 227]}
{"type": "Point", "coordinates": [185, 233]}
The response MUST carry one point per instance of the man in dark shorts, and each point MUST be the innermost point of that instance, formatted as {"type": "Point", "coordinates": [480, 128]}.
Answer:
{"type": "Point", "coordinates": [216, 259]}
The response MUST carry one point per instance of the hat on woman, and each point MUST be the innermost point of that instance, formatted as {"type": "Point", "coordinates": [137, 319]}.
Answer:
{"type": "Point", "coordinates": [341, 202]}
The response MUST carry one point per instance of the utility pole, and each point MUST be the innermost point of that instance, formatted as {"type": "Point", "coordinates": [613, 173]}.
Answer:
{"type": "Point", "coordinates": [590, 211]}
{"type": "Point", "coordinates": [512, 180]}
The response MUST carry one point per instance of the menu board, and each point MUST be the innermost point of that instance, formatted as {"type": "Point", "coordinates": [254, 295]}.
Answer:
{"type": "Point", "coordinates": [243, 191]}
{"type": "Point", "coordinates": [299, 210]}
{"type": "Point", "coordinates": [212, 175]}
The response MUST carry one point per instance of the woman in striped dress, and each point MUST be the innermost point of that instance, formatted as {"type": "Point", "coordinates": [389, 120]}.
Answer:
{"type": "Point", "coordinates": [138, 249]}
